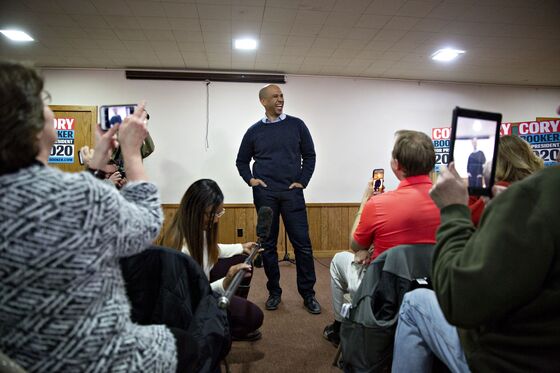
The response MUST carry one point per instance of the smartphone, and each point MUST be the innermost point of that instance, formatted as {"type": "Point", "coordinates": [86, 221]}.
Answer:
{"type": "Point", "coordinates": [378, 176]}
{"type": "Point", "coordinates": [474, 148]}
{"type": "Point", "coordinates": [112, 115]}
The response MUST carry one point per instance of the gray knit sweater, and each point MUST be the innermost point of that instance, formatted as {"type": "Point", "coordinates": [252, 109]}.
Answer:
{"type": "Point", "coordinates": [63, 306]}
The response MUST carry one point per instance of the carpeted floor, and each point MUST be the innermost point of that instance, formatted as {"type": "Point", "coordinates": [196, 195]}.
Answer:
{"type": "Point", "coordinates": [292, 338]}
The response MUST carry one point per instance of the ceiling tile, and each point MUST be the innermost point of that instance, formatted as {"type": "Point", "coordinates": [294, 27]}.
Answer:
{"type": "Point", "coordinates": [122, 22]}
{"type": "Point", "coordinates": [273, 14]}
{"type": "Point", "coordinates": [348, 53]}
{"type": "Point", "coordinates": [154, 23]}
{"type": "Point", "coordinates": [317, 5]}
{"type": "Point", "coordinates": [389, 35]}
{"type": "Point", "coordinates": [450, 10]}
{"type": "Point", "coordinates": [146, 8]}
{"type": "Point", "coordinates": [320, 52]}
{"type": "Point", "coordinates": [165, 46]}
{"type": "Point", "coordinates": [334, 32]}
{"type": "Point", "coordinates": [130, 35]}
{"type": "Point", "coordinates": [306, 29]}
{"type": "Point", "coordinates": [215, 25]}
{"type": "Point", "coordinates": [401, 23]}
{"type": "Point", "coordinates": [89, 21]}
{"type": "Point", "coordinates": [430, 24]}
{"type": "Point", "coordinates": [100, 33]}
{"type": "Point", "coordinates": [138, 45]}
{"type": "Point", "coordinates": [217, 37]}
{"type": "Point", "coordinates": [188, 36]}
{"type": "Point", "coordinates": [362, 33]}
{"type": "Point", "coordinates": [218, 48]}
{"type": "Point", "coordinates": [187, 24]}
{"type": "Point", "coordinates": [159, 35]}
{"type": "Point", "coordinates": [343, 19]}
{"type": "Point", "coordinates": [180, 10]}
{"type": "Point", "coordinates": [353, 44]}
{"type": "Point", "coordinates": [374, 21]}
{"type": "Point", "coordinates": [220, 12]}
{"type": "Point", "coordinates": [192, 47]}
{"type": "Point", "coordinates": [311, 17]}
{"type": "Point", "coordinates": [385, 7]}
{"type": "Point", "coordinates": [111, 7]}
{"type": "Point", "coordinates": [281, 28]}
{"type": "Point", "coordinates": [245, 28]}
{"type": "Point", "coordinates": [357, 6]}
{"type": "Point", "coordinates": [418, 8]}
{"type": "Point", "coordinates": [300, 41]}
{"type": "Point", "coordinates": [247, 13]}
{"type": "Point", "coordinates": [40, 6]}
{"type": "Point", "coordinates": [77, 6]}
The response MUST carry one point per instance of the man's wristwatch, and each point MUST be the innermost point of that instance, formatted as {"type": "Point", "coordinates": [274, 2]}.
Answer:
{"type": "Point", "coordinates": [100, 174]}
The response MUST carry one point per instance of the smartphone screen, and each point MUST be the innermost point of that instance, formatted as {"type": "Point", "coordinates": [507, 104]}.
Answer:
{"type": "Point", "coordinates": [112, 115]}
{"type": "Point", "coordinates": [474, 148]}
{"type": "Point", "coordinates": [378, 180]}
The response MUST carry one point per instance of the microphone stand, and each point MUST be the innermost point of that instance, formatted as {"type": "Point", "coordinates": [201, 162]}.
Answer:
{"type": "Point", "coordinates": [286, 257]}
{"type": "Point", "coordinates": [223, 301]}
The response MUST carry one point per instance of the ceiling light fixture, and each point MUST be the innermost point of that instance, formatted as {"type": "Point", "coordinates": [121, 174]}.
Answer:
{"type": "Point", "coordinates": [16, 35]}
{"type": "Point", "coordinates": [446, 54]}
{"type": "Point", "coordinates": [245, 44]}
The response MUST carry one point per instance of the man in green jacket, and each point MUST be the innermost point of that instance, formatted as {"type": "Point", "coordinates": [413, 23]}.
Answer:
{"type": "Point", "coordinates": [498, 285]}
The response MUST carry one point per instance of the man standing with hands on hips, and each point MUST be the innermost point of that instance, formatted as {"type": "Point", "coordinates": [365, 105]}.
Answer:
{"type": "Point", "coordinates": [284, 156]}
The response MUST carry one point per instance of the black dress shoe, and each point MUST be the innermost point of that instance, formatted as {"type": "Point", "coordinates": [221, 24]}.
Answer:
{"type": "Point", "coordinates": [312, 306]}
{"type": "Point", "coordinates": [272, 302]}
{"type": "Point", "coordinates": [253, 336]}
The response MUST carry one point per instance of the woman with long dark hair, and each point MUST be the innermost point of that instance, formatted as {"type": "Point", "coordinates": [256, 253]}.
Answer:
{"type": "Point", "coordinates": [194, 230]}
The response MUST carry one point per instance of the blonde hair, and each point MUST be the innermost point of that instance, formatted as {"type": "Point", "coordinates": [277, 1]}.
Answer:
{"type": "Point", "coordinates": [516, 159]}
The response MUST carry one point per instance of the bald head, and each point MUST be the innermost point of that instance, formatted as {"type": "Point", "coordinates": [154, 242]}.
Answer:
{"type": "Point", "coordinates": [272, 99]}
{"type": "Point", "coordinates": [264, 92]}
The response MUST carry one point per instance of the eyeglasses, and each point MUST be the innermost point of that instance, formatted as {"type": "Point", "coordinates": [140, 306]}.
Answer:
{"type": "Point", "coordinates": [46, 97]}
{"type": "Point", "coordinates": [221, 213]}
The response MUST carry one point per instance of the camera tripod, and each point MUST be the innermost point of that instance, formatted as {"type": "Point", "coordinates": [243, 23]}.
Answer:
{"type": "Point", "coordinates": [286, 257]}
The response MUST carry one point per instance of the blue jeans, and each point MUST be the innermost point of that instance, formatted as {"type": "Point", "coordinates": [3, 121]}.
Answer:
{"type": "Point", "coordinates": [422, 332]}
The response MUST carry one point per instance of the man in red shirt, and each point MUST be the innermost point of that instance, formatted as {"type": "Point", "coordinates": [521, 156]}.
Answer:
{"type": "Point", "coordinates": [406, 215]}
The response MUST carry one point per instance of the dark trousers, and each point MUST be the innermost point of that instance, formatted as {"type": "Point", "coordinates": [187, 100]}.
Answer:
{"type": "Point", "coordinates": [244, 316]}
{"type": "Point", "coordinates": [290, 205]}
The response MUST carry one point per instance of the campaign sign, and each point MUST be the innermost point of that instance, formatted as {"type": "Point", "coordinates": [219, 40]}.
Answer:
{"type": "Point", "coordinates": [544, 137]}
{"type": "Point", "coordinates": [440, 139]}
{"type": "Point", "coordinates": [63, 148]}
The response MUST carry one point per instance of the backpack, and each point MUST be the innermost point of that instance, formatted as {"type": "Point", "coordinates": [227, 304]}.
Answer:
{"type": "Point", "coordinates": [367, 334]}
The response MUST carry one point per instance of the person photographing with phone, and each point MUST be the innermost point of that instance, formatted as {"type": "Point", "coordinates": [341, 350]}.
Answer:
{"type": "Point", "coordinates": [62, 233]}
{"type": "Point", "coordinates": [406, 215]}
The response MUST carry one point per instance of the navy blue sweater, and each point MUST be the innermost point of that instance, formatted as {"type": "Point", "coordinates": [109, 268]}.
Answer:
{"type": "Point", "coordinates": [283, 152]}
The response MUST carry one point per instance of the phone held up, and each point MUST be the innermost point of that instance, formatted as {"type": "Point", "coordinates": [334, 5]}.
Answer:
{"type": "Point", "coordinates": [474, 148]}
{"type": "Point", "coordinates": [378, 176]}
{"type": "Point", "coordinates": [112, 115]}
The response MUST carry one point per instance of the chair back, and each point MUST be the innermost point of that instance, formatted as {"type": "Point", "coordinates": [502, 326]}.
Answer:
{"type": "Point", "coordinates": [368, 333]}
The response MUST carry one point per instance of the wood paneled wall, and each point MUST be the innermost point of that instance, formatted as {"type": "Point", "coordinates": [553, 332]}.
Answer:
{"type": "Point", "coordinates": [329, 226]}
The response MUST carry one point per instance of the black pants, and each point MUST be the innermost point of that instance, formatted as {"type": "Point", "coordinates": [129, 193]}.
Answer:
{"type": "Point", "coordinates": [290, 205]}
{"type": "Point", "coordinates": [244, 316]}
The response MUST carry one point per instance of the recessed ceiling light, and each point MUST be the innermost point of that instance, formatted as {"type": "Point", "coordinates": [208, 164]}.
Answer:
{"type": "Point", "coordinates": [446, 54]}
{"type": "Point", "coordinates": [16, 35]}
{"type": "Point", "coordinates": [247, 44]}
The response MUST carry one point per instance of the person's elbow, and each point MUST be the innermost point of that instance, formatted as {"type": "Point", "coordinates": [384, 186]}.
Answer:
{"type": "Point", "coordinates": [355, 246]}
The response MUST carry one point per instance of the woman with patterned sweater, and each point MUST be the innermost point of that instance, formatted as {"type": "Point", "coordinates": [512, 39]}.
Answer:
{"type": "Point", "coordinates": [63, 306]}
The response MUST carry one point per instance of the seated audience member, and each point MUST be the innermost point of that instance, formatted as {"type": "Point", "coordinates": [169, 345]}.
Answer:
{"type": "Point", "coordinates": [63, 306]}
{"type": "Point", "coordinates": [406, 215]}
{"type": "Point", "coordinates": [516, 160]}
{"type": "Point", "coordinates": [194, 230]}
{"type": "Point", "coordinates": [499, 285]}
